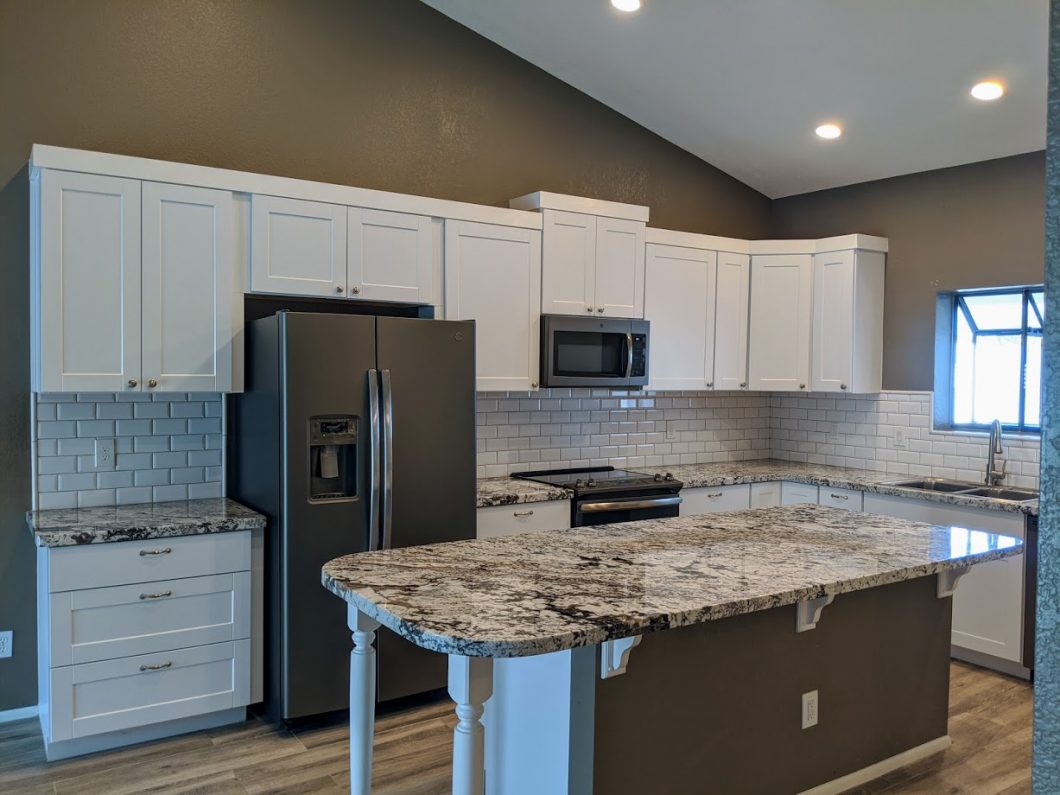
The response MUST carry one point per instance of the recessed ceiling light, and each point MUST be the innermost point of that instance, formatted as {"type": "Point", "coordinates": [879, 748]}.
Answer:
{"type": "Point", "coordinates": [988, 90]}
{"type": "Point", "coordinates": [829, 131]}
{"type": "Point", "coordinates": [626, 5]}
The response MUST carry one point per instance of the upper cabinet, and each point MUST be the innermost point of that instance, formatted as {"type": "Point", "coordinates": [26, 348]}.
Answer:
{"type": "Point", "coordinates": [389, 256]}
{"type": "Point", "coordinates": [592, 255]}
{"type": "Point", "coordinates": [134, 285]}
{"type": "Point", "coordinates": [730, 320]}
{"type": "Point", "coordinates": [781, 308]}
{"type": "Point", "coordinates": [493, 276]}
{"type": "Point", "coordinates": [848, 321]}
{"type": "Point", "coordinates": [297, 247]}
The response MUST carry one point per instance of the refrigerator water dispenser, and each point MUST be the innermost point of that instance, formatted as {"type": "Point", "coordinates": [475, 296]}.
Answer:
{"type": "Point", "coordinates": [332, 457]}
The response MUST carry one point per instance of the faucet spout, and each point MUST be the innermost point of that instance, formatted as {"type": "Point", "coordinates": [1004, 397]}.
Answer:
{"type": "Point", "coordinates": [994, 476]}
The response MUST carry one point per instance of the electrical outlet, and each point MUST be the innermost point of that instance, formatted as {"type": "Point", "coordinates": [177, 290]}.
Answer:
{"type": "Point", "coordinates": [809, 709]}
{"type": "Point", "coordinates": [104, 454]}
{"type": "Point", "coordinates": [5, 643]}
{"type": "Point", "coordinates": [899, 438]}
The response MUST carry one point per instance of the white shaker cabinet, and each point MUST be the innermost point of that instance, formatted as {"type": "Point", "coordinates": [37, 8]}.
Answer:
{"type": "Point", "coordinates": [188, 288]}
{"type": "Point", "coordinates": [619, 268]}
{"type": "Point", "coordinates": [297, 247]}
{"type": "Point", "coordinates": [781, 309]}
{"type": "Point", "coordinates": [493, 276]}
{"type": "Point", "coordinates": [848, 321]}
{"type": "Point", "coordinates": [679, 303]}
{"type": "Point", "coordinates": [86, 325]}
{"type": "Point", "coordinates": [389, 256]}
{"type": "Point", "coordinates": [730, 321]}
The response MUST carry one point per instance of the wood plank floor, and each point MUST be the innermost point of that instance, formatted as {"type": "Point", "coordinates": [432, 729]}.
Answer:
{"type": "Point", "coordinates": [990, 722]}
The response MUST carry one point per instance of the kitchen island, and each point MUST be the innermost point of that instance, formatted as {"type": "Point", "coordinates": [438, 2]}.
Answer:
{"type": "Point", "coordinates": [546, 623]}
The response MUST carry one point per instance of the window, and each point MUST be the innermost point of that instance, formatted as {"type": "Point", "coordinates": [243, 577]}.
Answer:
{"type": "Point", "coordinates": [990, 367]}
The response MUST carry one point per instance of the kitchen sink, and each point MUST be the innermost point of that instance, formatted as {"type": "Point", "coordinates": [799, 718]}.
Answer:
{"type": "Point", "coordinates": [1002, 493]}
{"type": "Point", "coordinates": [933, 484]}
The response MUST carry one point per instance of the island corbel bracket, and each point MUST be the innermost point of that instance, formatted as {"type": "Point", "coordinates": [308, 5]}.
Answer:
{"type": "Point", "coordinates": [947, 581]}
{"type": "Point", "coordinates": [362, 700]}
{"type": "Point", "coordinates": [808, 612]}
{"type": "Point", "coordinates": [614, 655]}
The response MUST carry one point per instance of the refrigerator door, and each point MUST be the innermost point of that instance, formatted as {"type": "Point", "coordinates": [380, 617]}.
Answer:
{"type": "Point", "coordinates": [325, 362]}
{"type": "Point", "coordinates": [427, 370]}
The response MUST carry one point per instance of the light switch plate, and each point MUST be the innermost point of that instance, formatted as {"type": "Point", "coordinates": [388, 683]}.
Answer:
{"type": "Point", "coordinates": [809, 709]}
{"type": "Point", "coordinates": [6, 639]}
{"type": "Point", "coordinates": [104, 454]}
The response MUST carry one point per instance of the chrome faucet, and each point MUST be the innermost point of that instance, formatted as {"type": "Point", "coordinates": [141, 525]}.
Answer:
{"type": "Point", "coordinates": [994, 476]}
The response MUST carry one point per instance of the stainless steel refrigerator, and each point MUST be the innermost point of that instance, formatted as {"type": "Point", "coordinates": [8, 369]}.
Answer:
{"type": "Point", "coordinates": [354, 433]}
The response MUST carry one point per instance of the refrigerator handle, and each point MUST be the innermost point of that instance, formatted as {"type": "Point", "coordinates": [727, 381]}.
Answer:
{"type": "Point", "coordinates": [374, 454]}
{"type": "Point", "coordinates": [388, 460]}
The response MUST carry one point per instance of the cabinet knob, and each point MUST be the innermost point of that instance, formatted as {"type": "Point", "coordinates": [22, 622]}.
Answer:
{"type": "Point", "coordinates": [338, 288]}
{"type": "Point", "coordinates": [710, 384]}
{"type": "Point", "coordinates": [588, 309]}
{"type": "Point", "coordinates": [355, 290]}
{"type": "Point", "coordinates": [802, 386]}
{"type": "Point", "coordinates": [600, 309]}
{"type": "Point", "coordinates": [152, 383]}
{"type": "Point", "coordinates": [533, 385]}
{"type": "Point", "coordinates": [743, 385]}
{"type": "Point", "coordinates": [842, 386]}
{"type": "Point", "coordinates": [133, 382]}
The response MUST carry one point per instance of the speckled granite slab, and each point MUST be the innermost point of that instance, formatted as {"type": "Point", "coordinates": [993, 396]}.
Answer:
{"type": "Point", "coordinates": [762, 470]}
{"type": "Point", "coordinates": [512, 491]}
{"type": "Point", "coordinates": [63, 527]}
{"type": "Point", "coordinates": [542, 592]}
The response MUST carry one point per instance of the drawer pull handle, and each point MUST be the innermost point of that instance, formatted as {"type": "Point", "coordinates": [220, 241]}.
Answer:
{"type": "Point", "coordinates": [523, 513]}
{"type": "Point", "coordinates": [840, 496]}
{"type": "Point", "coordinates": [715, 495]}
{"type": "Point", "coordinates": [159, 595]}
{"type": "Point", "coordinates": [157, 666]}
{"type": "Point", "coordinates": [162, 551]}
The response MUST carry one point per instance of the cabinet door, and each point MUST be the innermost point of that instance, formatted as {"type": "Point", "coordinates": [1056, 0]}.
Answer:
{"type": "Point", "coordinates": [716, 499]}
{"type": "Point", "coordinates": [509, 520]}
{"type": "Point", "coordinates": [619, 268]}
{"type": "Point", "coordinates": [297, 247]}
{"type": "Point", "coordinates": [679, 301]}
{"type": "Point", "coordinates": [389, 256]}
{"type": "Point", "coordinates": [797, 493]}
{"type": "Point", "coordinates": [569, 263]}
{"type": "Point", "coordinates": [493, 276]}
{"type": "Point", "coordinates": [730, 321]}
{"type": "Point", "coordinates": [781, 286]}
{"type": "Point", "coordinates": [833, 321]}
{"type": "Point", "coordinates": [189, 272]}
{"type": "Point", "coordinates": [89, 283]}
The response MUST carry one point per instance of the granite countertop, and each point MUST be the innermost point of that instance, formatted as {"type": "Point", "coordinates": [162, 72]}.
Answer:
{"type": "Point", "coordinates": [512, 491]}
{"type": "Point", "coordinates": [542, 592]}
{"type": "Point", "coordinates": [63, 527]}
{"type": "Point", "coordinates": [506, 491]}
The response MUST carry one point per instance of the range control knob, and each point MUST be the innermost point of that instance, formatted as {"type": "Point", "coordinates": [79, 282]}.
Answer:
{"type": "Point", "coordinates": [658, 477]}
{"type": "Point", "coordinates": [579, 483]}
{"type": "Point", "coordinates": [669, 476]}
{"type": "Point", "coordinates": [590, 483]}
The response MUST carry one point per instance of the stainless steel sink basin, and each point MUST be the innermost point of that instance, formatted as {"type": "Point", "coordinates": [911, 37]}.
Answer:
{"type": "Point", "coordinates": [933, 484]}
{"type": "Point", "coordinates": [1002, 493]}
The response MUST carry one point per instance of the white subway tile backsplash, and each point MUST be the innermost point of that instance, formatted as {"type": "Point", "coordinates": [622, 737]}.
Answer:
{"type": "Point", "coordinates": [168, 447]}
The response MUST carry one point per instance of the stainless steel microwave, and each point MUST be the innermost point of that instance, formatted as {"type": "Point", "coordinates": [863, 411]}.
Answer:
{"type": "Point", "coordinates": [593, 351]}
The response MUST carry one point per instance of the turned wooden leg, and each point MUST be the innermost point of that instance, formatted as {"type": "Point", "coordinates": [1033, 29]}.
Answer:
{"type": "Point", "coordinates": [470, 685]}
{"type": "Point", "coordinates": [362, 700]}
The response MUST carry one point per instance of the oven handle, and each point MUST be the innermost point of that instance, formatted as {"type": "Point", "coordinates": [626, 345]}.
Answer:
{"type": "Point", "coordinates": [628, 505]}
{"type": "Point", "coordinates": [629, 355]}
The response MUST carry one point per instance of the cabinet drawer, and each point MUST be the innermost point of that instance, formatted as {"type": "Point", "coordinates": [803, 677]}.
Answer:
{"type": "Point", "coordinates": [124, 620]}
{"type": "Point", "coordinates": [99, 565]}
{"type": "Point", "coordinates": [99, 697]}
{"type": "Point", "coordinates": [715, 499]}
{"type": "Point", "coordinates": [795, 493]}
{"type": "Point", "coordinates": [765, 495]}
{"type": "Point", "coordinates": [507, 520]}
{"type": "Point", "coordinates": [841, 498]}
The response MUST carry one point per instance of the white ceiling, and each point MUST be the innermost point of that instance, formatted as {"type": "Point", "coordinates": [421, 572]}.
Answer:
{"type": "Point", "coordinates": [743, 83]}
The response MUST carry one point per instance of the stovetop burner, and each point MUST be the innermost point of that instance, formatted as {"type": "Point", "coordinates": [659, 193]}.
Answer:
{"type": "Point", "coordinates": [589, 479]}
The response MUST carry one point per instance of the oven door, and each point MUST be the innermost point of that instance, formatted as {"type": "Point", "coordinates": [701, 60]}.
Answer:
{"type": "Point", "coordinates": [608, 510]}
{"type": "Point", "coordinates": [577, 351]}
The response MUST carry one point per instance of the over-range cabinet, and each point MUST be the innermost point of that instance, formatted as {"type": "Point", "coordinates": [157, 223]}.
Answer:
{"type": "Point", "coordinates": [354, 433]}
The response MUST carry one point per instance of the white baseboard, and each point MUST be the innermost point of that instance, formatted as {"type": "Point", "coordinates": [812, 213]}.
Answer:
{"type": "Point", "coordinates": [6, 716]}
{"type": "Point", "coordinates": [881, 768]}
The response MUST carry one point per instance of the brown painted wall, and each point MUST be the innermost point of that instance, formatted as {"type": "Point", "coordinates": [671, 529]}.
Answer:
{"type": "Point", "coordinates": [980, 225]}
{"type": "Point", "coordinates": [388, 95]}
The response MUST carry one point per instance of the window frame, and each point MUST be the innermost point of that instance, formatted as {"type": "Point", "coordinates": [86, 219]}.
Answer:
{"type": "Point", "coordinates": [951, 306]}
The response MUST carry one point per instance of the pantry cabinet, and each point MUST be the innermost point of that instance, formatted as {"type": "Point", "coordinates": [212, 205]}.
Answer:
{"type": "Point", "coordinates": [847, 321]}
{"type": "Point", "coordinates": [134, 285]}
{"type": "Point", "coordinates": [781, 312]}
{"type": "Point", "coordinates": [493, 276]}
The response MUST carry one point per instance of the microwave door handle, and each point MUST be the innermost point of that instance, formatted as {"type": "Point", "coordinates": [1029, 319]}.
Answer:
{"type": "Point", "coordinates": [374, 453]}
{"type": "Point", "coordinates": [629, 355]}
{"type": "Point", "coordinates": [388, 461]}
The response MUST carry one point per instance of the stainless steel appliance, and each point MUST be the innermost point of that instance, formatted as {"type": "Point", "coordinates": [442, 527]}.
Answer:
{"type": "Point", "coordinates": [604, 495]}
{"type": "Point", "coordinates": [354, 433]}
{"type": "Point", "coordinates": [592, 351]}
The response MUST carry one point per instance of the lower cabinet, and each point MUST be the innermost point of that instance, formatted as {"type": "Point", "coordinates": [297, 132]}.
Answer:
{"type": "Point", "coordinates": [509, 520]}
{"type": "Point", "coordinates": [840, 498]}
{"type": "Point", "coordinates": [797, 493]}
{"type": "Point", "coordinates": [989, 601]}
{"type": "Point", "coordinates": [140, 639]}
{"type": "Point", "coordinates": [715, 499]}
{"type": "Point", "coordinates": [765, 495]}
